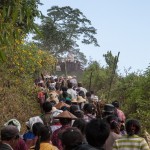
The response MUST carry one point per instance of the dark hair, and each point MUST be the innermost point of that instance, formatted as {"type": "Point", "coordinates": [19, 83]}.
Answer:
{"type": "Point", "coordinates": [88, 108]}
{"type": "Point", "coordinates": [88, 94]}
{"type": "Point", "coordinates": [44, 135]}
{"type": "Point", "coordinates": [65, 121]}
{"type": "Point", "coordinates": [79, 84]}
{"type": "Point", "coordinates": [64, 88]}
{"type": "Point", "coordinates": [81, 93]}
{"type": "Point", "coordinates": [53, 103]}
{"type": "Point", "coordinates": [79, 114]}
{"type": "Point", "coordinates": [63, 108]}
{"type": "Point", "coordinates": [36, 128]}
{"type": "Point", "coordinates": [73, 108]}
{"type": "Point", "coordinates": [92, 92]}
{"type": "Point", "coordinates": [70, 85]}
{"type": "Point", "coordinates": [71, 138]}
{"type": "Point", "coordinates": [47, 106]}
{"type": "Point", "coordinates": [97, 131]}
{"type": "Point", "coordinates": [65, 94]}
{"type": "Point", "coordinates": [68, 102]}
{"type": "Point", "coordinates": [132, 127]}
{"type": "Point", "coordinates": [80, 124]}
{"type": "Point", "coordinates": [113, 121]}
{"type": "Point", "coordinates": [115, 104]}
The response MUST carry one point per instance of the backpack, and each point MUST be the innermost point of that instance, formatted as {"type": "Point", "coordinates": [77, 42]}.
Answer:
{"type": "Point", "coordinates": [47, 119]}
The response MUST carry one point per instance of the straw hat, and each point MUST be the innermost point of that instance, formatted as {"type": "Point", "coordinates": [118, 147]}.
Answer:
{"type": "Point", "coordinates": [74, 101]}
{"type": "Point", "coordinates": [66, 114]}
{"type": "Point", "coordinates": [53, 97]}
{"type": "Point", "coordinates": [109, 108]}
{"type": "Point", "coordinates": [80, 99]}
{"type": "Point", "coordinates": [61, 104]}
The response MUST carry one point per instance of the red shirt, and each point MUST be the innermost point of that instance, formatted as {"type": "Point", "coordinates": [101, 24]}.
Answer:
{"type": "Point", "coordinates": [55, 139]}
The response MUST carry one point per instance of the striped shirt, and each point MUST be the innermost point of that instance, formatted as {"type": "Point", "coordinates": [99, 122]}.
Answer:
{"type": "Point", "coordinates": [130, 143]}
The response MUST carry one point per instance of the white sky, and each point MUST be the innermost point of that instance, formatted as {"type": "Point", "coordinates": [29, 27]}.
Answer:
{"type": "Point", "coordinates": [122, 26]}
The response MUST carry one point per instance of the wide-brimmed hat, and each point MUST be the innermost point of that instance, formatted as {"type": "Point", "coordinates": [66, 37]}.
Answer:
{"type": "Point", "coordinates": [61, 104]}
{"type": "Point", "coordinates": [74, 101]}
{"type": "Point", "coordinates": [53, 96]}
{"type": "Point", "coordinates": [80, 99]}
{"type": "Point", "coordinates": [66, 114]}
{"type": "Point", "coordinates": [109, 108]}
{"type": "Point", "coordinates": [13, 122]}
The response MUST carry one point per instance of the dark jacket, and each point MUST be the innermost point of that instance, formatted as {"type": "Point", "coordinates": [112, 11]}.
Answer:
{"type": "Point", "coordinates": [88, 147]}
{"type": "Point", "coordinates": [4, 147]}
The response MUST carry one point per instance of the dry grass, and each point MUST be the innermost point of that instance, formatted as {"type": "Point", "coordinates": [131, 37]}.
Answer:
{"type": "Point", "coordinates": [14, 103]}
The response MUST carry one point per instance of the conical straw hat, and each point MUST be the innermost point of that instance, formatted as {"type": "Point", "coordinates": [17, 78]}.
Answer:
{"type": "Point", "coordinates": [80, 99]}
{"type": "Point", "coordinates": [74, 101]}
{"type": "Point", "coordinates": [66, 114]}
{"type": "Point", "coordinates": [61, 104]}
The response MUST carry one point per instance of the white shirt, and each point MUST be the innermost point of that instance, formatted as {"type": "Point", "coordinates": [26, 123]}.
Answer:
{"type": "Point", "coordinates": [72, 93]}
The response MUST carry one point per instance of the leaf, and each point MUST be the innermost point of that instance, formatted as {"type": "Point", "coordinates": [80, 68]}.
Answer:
{"type": "Point", "coordinates": [36, 30]}
{"type": "Point", "coordinates": [9, 9]}
{"type": "Point", "coordinates": [2, 56]}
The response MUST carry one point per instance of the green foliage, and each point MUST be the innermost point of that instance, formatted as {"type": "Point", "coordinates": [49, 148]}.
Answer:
{"type": "Point", "coordinates": [17, 19]}
{"type": "Point", "coordinates": [132, 90]}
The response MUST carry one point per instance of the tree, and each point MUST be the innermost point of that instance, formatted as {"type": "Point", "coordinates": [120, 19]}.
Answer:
{"type": "Point", "coordinates": [62, 28]}
{"type": "Point", "coordinates": [112, 66]}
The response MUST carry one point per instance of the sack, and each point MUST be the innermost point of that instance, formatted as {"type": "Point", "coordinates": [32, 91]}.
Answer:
{"type": "Point", "coordinates": [47, 119]}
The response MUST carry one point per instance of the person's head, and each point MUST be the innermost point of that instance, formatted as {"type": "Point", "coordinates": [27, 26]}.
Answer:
{"type": "Point", "coordinates": [53, 103]}
{"type": "Point", "coordinates": [80, 124]}
{"type": "Point", "coordinates": [114, 123]}
{"type": "Point", "coordinates": [132, 127]}
{"type": "Point", "coordinates": [71, 138]}
{"type": "Point", "coordinates": [109, 109]}
{"type": "Point", "coordinates": [65, 117]}
{"type": "Point", "coordinates": [47, 107]}
{"type": "Point", "coordinates": [65, 94]}
{"type": "Point", "coordinates": [79, 84]}
{"type": "Point", "coordinates": [65, 121]}
{"type": "Point", "coordinates": [10, 135]}
{"type": "Point", "coordinates": [97, 131]}
{"type": "Point", "coordinates": [79, 114]}
{"type": "Point", "coordinates": [73, 108]}
{"type": "Point", "coordinates": [70, 85]}
{"type": "Point", "coordinates": [64, 89]}
{"type": "Point", "coordinates": [115, 104]}
{"type": "Point", "coordinates": [92, 92]}
{"type": "Point", "coordinates": [44, 135]}
{"type": "Point", "coordinates": [36, 128]}
{"type": "Point", "coordinates": [88, 94]}
{"type": "Point", "coordinates": [68, 101]}
{"type": "Point", "coordinates": [81, 93]}
{"type": "Point", "coordinates": [88, 108]}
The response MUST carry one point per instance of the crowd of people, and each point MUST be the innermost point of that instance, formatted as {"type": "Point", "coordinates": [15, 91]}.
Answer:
{"type": "Point", "coordinates": [72, 118]}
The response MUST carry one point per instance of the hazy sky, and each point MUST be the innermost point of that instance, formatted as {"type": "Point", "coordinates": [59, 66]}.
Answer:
{"type": "Point", "coordinates": [122, 26]}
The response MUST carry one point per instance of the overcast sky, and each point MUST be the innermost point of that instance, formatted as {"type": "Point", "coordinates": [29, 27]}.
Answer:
{"type": "Point", "coordinates": [122, 26]}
